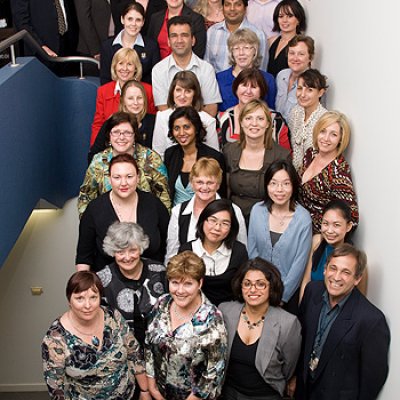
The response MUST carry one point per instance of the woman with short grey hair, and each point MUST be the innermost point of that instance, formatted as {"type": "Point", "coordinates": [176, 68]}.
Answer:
{"type": "Point", "coordinates": [132, 284]}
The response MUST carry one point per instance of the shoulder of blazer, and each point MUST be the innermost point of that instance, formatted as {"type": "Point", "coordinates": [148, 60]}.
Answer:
{"type": "Point", "coordinates": [230, 309]}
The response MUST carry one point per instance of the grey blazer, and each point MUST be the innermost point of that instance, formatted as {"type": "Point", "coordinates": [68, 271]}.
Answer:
{"type": "Point", "coordinates": [279, 345]}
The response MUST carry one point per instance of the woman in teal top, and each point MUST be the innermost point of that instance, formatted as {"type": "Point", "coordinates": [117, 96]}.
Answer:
{"type": "Point", "coordinates": [335, 226]}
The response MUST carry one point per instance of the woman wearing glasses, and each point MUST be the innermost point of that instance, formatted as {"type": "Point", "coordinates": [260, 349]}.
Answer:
{"type": "Point", "coordinates": [205, 178]}
{"type": "Point", "coordinates": [280, 229]}
{"type": "Point", "coordinates": [244, 52]}
{"type": "Point", "coordinates": [216, 244]}
{"type": "Point", "coordinates": [125, 202]}
{"type": "Point", "coordinates": [121, 132]}
{"type": "Point", "coordinates": [263, 339]}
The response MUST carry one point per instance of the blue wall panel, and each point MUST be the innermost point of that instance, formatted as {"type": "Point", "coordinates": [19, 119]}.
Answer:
{"type": "Point", "coordinates": [45, 130]}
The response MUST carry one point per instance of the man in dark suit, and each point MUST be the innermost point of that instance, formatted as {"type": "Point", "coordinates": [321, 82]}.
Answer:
{"type": "Point", "coordinates": [94, 17]}
{"type": "Point", "coordinates": [345, 337]}
{"type": "Point", "coordinates": [41, 20]}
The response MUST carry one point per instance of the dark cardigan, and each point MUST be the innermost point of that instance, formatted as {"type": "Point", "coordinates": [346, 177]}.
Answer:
{"type": "Point", "coordinates": [218, 288]}
{"type": "Point", "coordinates": [152, 216]}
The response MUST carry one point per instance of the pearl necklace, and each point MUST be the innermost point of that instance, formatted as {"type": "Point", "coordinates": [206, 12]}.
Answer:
{"type": "Point", "coordinates": [251, 325]}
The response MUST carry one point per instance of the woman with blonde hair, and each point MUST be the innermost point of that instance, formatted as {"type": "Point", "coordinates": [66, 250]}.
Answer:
{"type": "Point", "coordinates": [249, 85]}
{"type": "Point", "coordinates": [211, 10]}
{"type": "Point", "coordinates": [244, 52]}
{"type": "Point", "coordinates": [205, 178]}
{"type": "Point", "coordinates": [325, 174]}
{"type": "Point", "coordinates": [248, 159]}
{"type": "Point", "coordinates": [133, 100]}
{"type": "Point", "coordinates": [124, 67]}
{"type": "Point", "coordinates": [133, 19]}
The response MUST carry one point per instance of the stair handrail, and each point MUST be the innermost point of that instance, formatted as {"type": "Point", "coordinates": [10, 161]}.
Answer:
{"type": "Point", "coordinates": [27, 37]}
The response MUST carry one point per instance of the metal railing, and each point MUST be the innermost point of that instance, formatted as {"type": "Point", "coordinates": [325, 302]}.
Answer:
{"type": "Point", "coordinates": [27, 37]}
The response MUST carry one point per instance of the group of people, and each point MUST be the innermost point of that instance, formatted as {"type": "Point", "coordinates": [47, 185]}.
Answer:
{"type": "Point", "coordinates": [214, 258]}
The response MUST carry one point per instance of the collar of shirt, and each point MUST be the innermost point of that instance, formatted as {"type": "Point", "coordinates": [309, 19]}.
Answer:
{"type": "Point", "coordinates": [189, 207]}
{"type": "Point", "coordinates": [216, 263]}
{"type": "Point", "coordinates": [138, 42]}
{"type": "Point", "coordinates": [194, 61]}
{"type": "Point", "coordinates": [117, 88]}
{"type": "Point", "coordinates": [222, 25]}
{"type": "Point", "coordinates": [327, 304]}
{"type": "Point", "coordinates": [62, 4]}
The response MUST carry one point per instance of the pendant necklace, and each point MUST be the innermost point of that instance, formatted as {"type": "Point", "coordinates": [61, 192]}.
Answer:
{"type": "Point", "coordinates": [94, 339]}
{"type": "Point", "coordinates": [118, 208]}
{"type": "Point", "coordinates": [251, 325]}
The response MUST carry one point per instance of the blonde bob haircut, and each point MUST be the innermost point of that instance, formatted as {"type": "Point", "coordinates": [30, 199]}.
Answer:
{"type": "Point", "coordinates": [186, 265]}
{"type": "Point", "coordinates": [128, 55]}
{"type": "Point", "coordinates": [133, 83]}
{"type": "Point", "coordinates": [248, 109]}
{"type": "Point", "coordinates": [330, 118]}
{"type": "Point", "coordinates": [245, 36]}
{"type": "Point", "coordinates": [206, 167]}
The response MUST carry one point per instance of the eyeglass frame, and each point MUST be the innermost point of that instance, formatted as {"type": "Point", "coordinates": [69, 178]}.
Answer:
{"type": "Point", "coordinates": [119, 133]}
{"type": "Point", "coordinates": [257, 282]}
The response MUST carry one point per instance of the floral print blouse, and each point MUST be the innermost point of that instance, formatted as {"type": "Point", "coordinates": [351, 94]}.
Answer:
{"type": "Point", "coordinates": [192, 357]}
{"type": "Point", "coordinates": [153, 176]}
{"type": "Point", "coordinates": [76, 370]}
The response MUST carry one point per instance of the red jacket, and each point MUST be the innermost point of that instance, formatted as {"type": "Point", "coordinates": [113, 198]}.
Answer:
{"type": "Point", "coordinates": [107, 103]}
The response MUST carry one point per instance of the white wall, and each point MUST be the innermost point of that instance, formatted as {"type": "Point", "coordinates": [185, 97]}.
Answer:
{"type": "Point", "coordinates": [357, 44]}
{"type": "Point", "coordinates": [43, 256]}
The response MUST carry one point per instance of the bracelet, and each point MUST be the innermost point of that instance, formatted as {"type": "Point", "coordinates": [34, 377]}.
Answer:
{"type": "Point", "coordinates": [144, 391]}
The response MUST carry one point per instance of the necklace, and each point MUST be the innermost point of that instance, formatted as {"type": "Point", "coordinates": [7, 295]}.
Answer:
{"type": "Point", "coordinates": [95, 339]}
{"type": "Point", "coordinates": [281, 218]}
{"type": "Point", "coordinates": [119, 208]}
{"type": "Point", "coordinates": [181, 316]}
{"type": "Point", "coordinates": [251, 325]}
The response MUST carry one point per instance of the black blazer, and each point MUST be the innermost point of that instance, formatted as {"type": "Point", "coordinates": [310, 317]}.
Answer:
{"type": "Point", "coordinates": [39, 18]}
{"type": "Point", "coordinates": [94, 19]}
{"type": "Point", "coordinates": [198, 28]}
{"type": "Point", "coordinates": [149, 55]}
{"type": "Point", "coordinates": [218, 288]}
{"type": "Point", "coordinates": [354, 361]}
{"type": "Point", "coordinates": [173, 160]}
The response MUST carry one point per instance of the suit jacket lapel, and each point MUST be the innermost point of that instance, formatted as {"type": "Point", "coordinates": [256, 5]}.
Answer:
{"type": "Point", "coordinates": [312, 327]}
{"type": "Point", "coordinates": [268, 339]}
{"type": "Point", "coordinates": [339, 329]}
